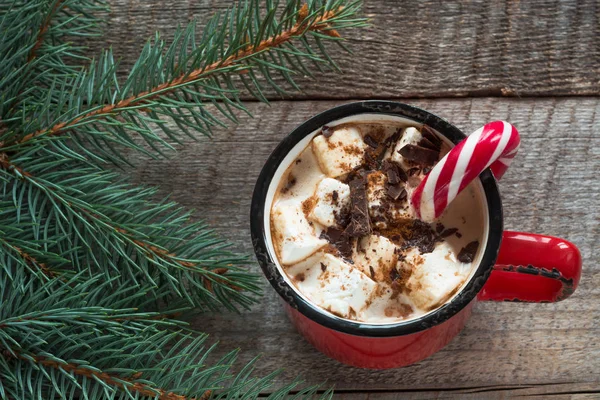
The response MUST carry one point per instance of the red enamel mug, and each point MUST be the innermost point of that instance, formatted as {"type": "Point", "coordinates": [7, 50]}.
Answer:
{"type": "Point", "coordinates": [514, 266]}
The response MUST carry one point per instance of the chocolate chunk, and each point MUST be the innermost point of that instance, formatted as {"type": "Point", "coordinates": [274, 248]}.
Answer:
{"type": "Point", "coordinates": [372, 271]}
{"type": "Point", "coordinates": [394, 274]}
{"type": "Point", "coordinates": [360, 223]}
{"type": "Point", "coordinates": [339, 240]}
{"type": "Point", "coordinates": [448, 232]}
{"type": "Point", "coordinates": [424, 142]}
{"type": "Point", "coordinates": [458, 235]}
{"type": "Point", "coordinates": [467, 254]}
{"type": "Point", "coordinates": [419, 155]}
{"type": "Point", "coordinates": [439, 227]}
{"type": "Point", "coordinates": [428, 133]}
{"type": "Point", "coordinates": [327, 131]}
{"type": "Point", "coordinates": [298, 161]}
{"type": "Point", "coordinates": [394, 172]}
{"type": "Point", "coordinates": [300, 277]}
{"type": "Point", "coordinates": [395, 191]}
{"type": "Point", "coordinates": [323, 267]}
{"type": "Point", "coordinates": [342, 218]}
{"type": "Point", "coordinates": [370, 141]}
{"type": "Point", "coordinates": [334, 196]}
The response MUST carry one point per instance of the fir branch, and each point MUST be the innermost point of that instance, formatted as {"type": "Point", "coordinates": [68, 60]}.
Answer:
{"type": "Point", "coordinates": [43, 29]}
{"type": "Point", "coordinates": [79, 340]}
{"type": "Point", "coordinates": [30, 261]}
{"type": "Point", "coordinates": [318, 24]}
{"type": "Point", "coordinates": [200, 278]}
{"type": "Point", "coordinates": [197, 74]}
{"type": "Point", "coordinates": [86, 259]}
{"type": "Point", "coordinates": [113, 380]}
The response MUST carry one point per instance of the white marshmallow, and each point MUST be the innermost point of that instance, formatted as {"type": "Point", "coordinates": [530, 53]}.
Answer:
{"type": "Point", "coordinates": [294, 237]}
{"type": "Point", "coordinates": [409, 136]}
{"type": "Point", "coordinates": [325, 206]}
{"type": "Point", "coordinates": [305, 174]}
{"type": "Point", "coordinates": [333, 284]}
{"type": "Point", "coordinates": [390, 307]}
{"type": "Point", "coordinates": [377, 253]}
{"type": "Point", "coordinates": [341, 152]}
{"type": "Point", "coordinates": [435, 277]}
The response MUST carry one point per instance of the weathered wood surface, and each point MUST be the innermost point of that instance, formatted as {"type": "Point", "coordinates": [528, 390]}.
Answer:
{"type": "Point", "coordinates": [423, 48]}
{"type": "Point", "coordinates": [506, 349]}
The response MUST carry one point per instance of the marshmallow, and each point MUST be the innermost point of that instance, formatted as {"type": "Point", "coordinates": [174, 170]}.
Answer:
{"type": "Point", "coordinates": [376, 253]}
{"type": "Point", "coordinates": [333, 284]}
{"type": "Point", "coordinates": [409, 136]}
{"type": "Point", "coordinates": [293, 235]}
{"type": "Point", "coordinates": [341, 152]}
{"type": "Point", "coordinates": [302, 177]}
{"type": "Point", "coordinates": [330, 197]}
{"type": "Point", "coordinates": [389, 306]}
{"type": "Point", "coordinates": [436, 276]}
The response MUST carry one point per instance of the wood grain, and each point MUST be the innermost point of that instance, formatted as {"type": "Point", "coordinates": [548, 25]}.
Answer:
{"type": "Point", "coordinates": [420, 48]}
{"type": "Point", "coordinates": [506, 348]}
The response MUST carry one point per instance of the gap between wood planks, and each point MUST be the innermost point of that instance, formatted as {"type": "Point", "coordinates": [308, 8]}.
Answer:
{"type": "Point", "coordinates": [523, 390]}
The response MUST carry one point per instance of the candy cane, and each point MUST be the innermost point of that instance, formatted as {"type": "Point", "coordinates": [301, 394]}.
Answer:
{"type": "Point", "coordinates": [494, 145]}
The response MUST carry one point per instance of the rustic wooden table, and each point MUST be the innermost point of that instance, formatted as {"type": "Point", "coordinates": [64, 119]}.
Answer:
{"type": "Point", "coordinates": [533, 63]}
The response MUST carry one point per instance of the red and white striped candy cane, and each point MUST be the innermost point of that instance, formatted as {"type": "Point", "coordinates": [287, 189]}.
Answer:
{"type": "Point", "coordinates": [494, 145]}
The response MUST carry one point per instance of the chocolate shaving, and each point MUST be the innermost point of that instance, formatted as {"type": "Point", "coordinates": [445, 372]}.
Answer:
{"type": "Point", "coordinates": [424, 142]}
{"type": "Point", "coordinates": [394, 274]}
{"type": "Point", "coordinates": [327, 131]}
{"type": "Point", "coordinates": [339, 240]}
{"type": "Point", "coordinates": [394, 172]}
{"type": "Point", "coordinates": [395, 191]}
{"type": "Point", "coordinates": [419, 155]}
{"type": "Point", "coordinates": [418, 234]}
{"type": "Point", "coordinates": [448, 232]}
{"type": "Point", "coordinates": [334, 196]}
{"type": "Point", "coordinates": [370, 141]}
{"type": "Point", "coordinates": [323, 267]}
{"type": "Point", "coordinates": [388, 143]}
{"type": "Point", "coordinates": [370, 160]}
{"type": "Point", "coordinates": [300, 277]}
{"type": "Point", "coordinates": [360, 223]}
{"type": "Point", "coordinates": [372, 271]}
{"type": "Point", "coordinates": [458, 235]}
{"type": "Point", "coordinates": [467, 254]}
{"type": "Point", "coordinates": [428, 133]}
{"type": "Point", "coordinates": [439, 227]}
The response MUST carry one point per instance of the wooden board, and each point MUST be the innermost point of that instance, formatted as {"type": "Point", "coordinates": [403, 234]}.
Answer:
{"type": "Point", "coordinates": [421, 49]}
{"type": "Point", "coordinates": [506, 348]}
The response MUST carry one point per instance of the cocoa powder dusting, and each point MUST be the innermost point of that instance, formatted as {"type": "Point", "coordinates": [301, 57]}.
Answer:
{"type": "Point", "coordinates": [308, 205]}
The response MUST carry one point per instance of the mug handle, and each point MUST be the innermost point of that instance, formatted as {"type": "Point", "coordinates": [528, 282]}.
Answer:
{"type": "Point", "coordinates": [533, 268]}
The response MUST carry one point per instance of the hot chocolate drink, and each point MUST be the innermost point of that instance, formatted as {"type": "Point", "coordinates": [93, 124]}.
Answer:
{"type": "Point", "coordinates": [347, 236]}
